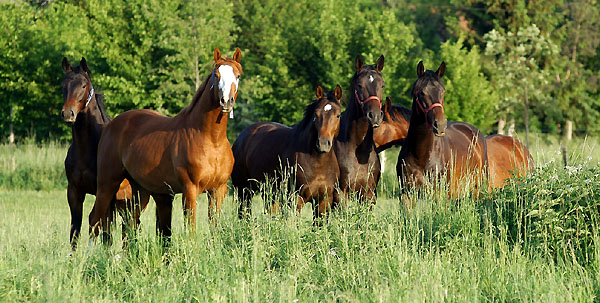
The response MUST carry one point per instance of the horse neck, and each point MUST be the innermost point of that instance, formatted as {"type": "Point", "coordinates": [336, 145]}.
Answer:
{"type": "Point", "coordinates": [206, 115]}
{"type": "Point", "coordinates": [88, 125]}
{"type": "Point", "coordinates": [304, 140]}
{"type": "Point", "coordinates": [354, 126]}
{"type": "Point", "coordinates": [420, 138]}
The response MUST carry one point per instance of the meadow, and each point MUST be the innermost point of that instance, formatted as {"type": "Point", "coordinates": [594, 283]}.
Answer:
{"type": "Point", "coordinates": [536, 240]}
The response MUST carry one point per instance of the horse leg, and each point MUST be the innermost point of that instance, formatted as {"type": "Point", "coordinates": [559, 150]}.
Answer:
{"type": "Point", "coordinates": [215, 200]}
{"type": "Point", "coordinates": [164, 209]}
{"type": "Point", "coordinates": [75, 198]}
{"type": "Point", "coordinates": [190, 194]}
{"type": "Point", "coordinates": [131, 213]}
{"type": "Point", "coordinates": [99, 216]}
{"type": "Point", "coordinates": [245, 196]}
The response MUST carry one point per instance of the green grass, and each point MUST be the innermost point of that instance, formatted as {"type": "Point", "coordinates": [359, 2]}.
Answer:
{"type": "Point", "coordinates": [495, 249]}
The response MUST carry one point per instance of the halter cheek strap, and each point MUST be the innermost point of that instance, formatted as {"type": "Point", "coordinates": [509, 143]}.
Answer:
{"type": "Point", "coordinates": [431, 107]}
{"type": "Point", "coordinates": [362, 103]}
{"type": "Point", "coordinates": [89, 98]}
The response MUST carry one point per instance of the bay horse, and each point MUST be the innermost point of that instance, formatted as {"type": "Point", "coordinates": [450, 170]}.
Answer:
{"type": "Point", "coordinates": [84, 108]}
{"type": "Point", "coordinates": [263, 148]}
{"type": "Point", "coordinates": [354, 147]}
{"type": "Point", "coordinates": [188, 153]}
{"type": "Point", "coordinates": [435, 147]}
{"type": "Point", "coordinates": [507, 157]}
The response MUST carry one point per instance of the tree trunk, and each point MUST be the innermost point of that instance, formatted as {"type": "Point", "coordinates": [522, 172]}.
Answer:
{"type": "Point", "coordinates": [569, 130]}
{"type": "Point", "coordinates": [501, 124]}
{"type": "Point", "coordinates": [11, 137]}
{"type": "Point", "coordinates": [511, 129]}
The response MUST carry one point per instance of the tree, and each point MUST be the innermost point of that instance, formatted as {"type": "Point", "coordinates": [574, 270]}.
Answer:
{"type": "Point", "coordinates": [518, 73]}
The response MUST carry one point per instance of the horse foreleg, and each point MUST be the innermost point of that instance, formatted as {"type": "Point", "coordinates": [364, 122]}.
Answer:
{"type": "Point", "coordinates": [190, 194]}
{"type": "Point", "coordinates": [215, 200]}
{"type": "Point", "coordinates": [99, 216]}
{"type": "Point", "coordinates": [75, 198]}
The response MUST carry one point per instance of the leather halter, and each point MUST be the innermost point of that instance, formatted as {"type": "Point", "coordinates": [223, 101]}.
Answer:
{"type": "Point", "coordinates": [431, 107]}
{"type": "Point", "coordinates": [362, 103]}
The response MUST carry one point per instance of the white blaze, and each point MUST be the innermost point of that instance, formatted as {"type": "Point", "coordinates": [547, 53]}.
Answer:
{"type": "Point", "coordinates": [327, 107]}
{"type": "Point", "coordinates": [371, 78]}
{"type": "Point", "coordinates": [227, 78]}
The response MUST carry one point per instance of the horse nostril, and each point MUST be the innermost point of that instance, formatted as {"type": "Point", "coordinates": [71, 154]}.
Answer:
{"type": "Point", "coordinates": [72, 113]}
{"type": "Point", "coordinates": [370, 115]}
{"type": "Point", "coordinates": [434, 124]}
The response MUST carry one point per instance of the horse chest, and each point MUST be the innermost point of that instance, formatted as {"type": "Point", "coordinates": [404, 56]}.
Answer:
{"type": "Point", "coordinates": [213, 169]}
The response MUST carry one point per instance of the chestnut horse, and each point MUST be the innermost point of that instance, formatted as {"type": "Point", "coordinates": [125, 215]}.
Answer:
{"type": "Point", "coordinates": [188, 153]}
{"type": "Point", "coordinates": [85, 109]}
{"type": "Point", "coordinates": [435, 147]}
{"type": "Point", "coordinates": [354, 147]}
{"type": "Point", "coordinates": [263, 148]}
{"type": "Point", "coordinates": [507, 157]}
{"type": "Point", "coordinates": [393, 129]}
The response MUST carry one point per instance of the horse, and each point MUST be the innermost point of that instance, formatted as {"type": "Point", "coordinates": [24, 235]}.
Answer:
{"type": "Point", "coordinates": [507, 157]}
{"type": "Point", "coordinates": [84, 108]}
{"type": "Point", "coordinates": [354, 147]}
{"type": "Point", "coordinates": [263, 148]}
{"type": "Point", "coordinates": [188, 153]}
{"type": "Point", "coordinates": [435, 147]}
{"type": "Point", "coordinates": [393, 129]}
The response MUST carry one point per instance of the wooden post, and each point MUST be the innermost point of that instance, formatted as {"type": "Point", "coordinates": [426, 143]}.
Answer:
{"type": "Point", "coordinates": [501, 124]}
{"type": "Point", "coordinates": [11, 137]}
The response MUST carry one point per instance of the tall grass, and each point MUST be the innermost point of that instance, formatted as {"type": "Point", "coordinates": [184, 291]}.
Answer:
{"type": "Point", "coordinates": [536, 240]}
{"type": "Point", "coordinates": [30, 166]}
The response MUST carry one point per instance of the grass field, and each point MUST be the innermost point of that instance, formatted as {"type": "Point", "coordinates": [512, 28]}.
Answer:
{"type": "Point", "coordinates": [534, 241]}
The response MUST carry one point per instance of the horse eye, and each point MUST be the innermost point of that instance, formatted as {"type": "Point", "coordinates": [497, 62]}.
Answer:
{"type": "Point", "coordinates": [315, 117]}
{"type": "Point", "coordinates": [338, 115]}
{"type": "Point", "coordinates": [84, 86]}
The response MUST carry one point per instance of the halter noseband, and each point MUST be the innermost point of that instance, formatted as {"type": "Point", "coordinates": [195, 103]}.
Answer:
{"type": "Point", "coordinates": [431, 107]}
{"type": "Point", "coordinates": [362, 103]}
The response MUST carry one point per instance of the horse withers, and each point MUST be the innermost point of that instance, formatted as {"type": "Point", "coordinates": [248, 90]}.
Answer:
{"type": "Point", "coordinates": [354, 147]}
{"type": "Point", "coordinates": [84, 108]}
{"type": "Point", "coordinates": [435, 147]}
{"type": "Point", "coordinates": [264, 150]}
{"type": "Point", "coordinates": [188, 153]}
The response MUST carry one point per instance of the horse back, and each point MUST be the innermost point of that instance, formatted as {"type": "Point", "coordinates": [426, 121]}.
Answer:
{"type": "Point", "coordinates": [507, 156]}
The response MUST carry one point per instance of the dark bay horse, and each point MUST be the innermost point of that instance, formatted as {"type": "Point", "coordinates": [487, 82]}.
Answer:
{"type": "Point", "coordinates": [85, 109]}
{"type": "Point", "coordinates": [188, 153]}
{"type": "Point", "coordinates": [435, 147]}
{"type": "Point", "coordinates": [507, 157]}
{"type": "Point", "coordinates": [354, 147]}
{"type": "Point", "coordinates": [263, 148]}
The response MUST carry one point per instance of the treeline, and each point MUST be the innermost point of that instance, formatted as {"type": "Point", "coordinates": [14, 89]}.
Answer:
{"type": "Point", "coordinates": [532, 64]}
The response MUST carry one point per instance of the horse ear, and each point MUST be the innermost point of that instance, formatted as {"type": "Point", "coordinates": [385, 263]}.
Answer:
{"type": "Point", "coordinates": [217, 54]}
{"type": "Point", "coordinates": [84, 66]}
{"type": "Point", "coordinates": [66, 66]}
{"type": "Point", "coordinates": [441, 70]}
{"type": "Point", "coordinates": [359, 63]}
{"type": "Point", "coordinates": [420, 69]}
{"type": "Point", "coordinates": [237, 56]}
{"type": "Point", "coordinates": [338, 92]}
{"type": "Point", "coordinates": [388, 104]}
{"type": "Point", "coordinates": [379, 64]}
{"type": "Point", "coordinates": [319, 92]}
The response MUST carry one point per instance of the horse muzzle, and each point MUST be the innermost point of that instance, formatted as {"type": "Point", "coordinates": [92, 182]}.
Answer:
{"type": "Point", "coordinates": [324, 145]}
{"type": "Point", "coordinates": [68, 115]}
{"type": "Point", "coordinates": [227, 106]}
{"type": "Point", "coordinates": [439, 129]}
{"type": "Point", "coordinates": [375, 118]}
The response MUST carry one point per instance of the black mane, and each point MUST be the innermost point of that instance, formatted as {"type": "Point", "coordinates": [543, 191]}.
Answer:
{"type": "Point", "coordinates": [309, 111]}
{"type": "Point", "coordinates": [399, 109]}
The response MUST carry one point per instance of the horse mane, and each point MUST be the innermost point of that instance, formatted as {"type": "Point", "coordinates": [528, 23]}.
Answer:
{"type": "Point", "coordinates": [101, 107]}
{"type": "Point", "coordinates": [197, 95]}
{"type": "Point", "coordinates": [400, 110]}
{"type": "Point", "coordinates": [309, 111]}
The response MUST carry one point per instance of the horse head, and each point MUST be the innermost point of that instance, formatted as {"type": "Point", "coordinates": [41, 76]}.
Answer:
{"type": "Point", "coordinates": [428, 98]}
{"type": "Point", "coordinates": [77, 89]}
{"type": "Point", "coordinates": [226, 78]}
{"type": "Point", "coordinates": [367, 89]}
{"type": "Point", "coordinates": [326, 118]}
